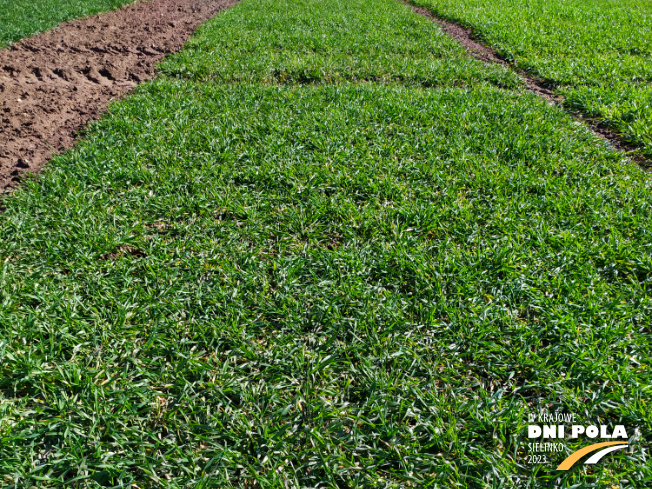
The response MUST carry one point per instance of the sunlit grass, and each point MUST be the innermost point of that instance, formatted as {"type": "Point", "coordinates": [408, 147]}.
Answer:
{"type": "Point", "coordinates": [271, 283]}
{"type": "Point", "coordinates": [597, 53]}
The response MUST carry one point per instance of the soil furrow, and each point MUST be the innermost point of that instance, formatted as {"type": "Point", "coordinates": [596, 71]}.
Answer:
{"type": "Point", "coordinates": [53, 84]}
{"type": "Point", "coordinates": [487, 54]}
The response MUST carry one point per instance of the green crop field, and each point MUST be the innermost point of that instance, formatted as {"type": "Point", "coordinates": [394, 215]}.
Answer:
{"type": "Point", "coordinates": [596, 53]}
{"type": "Point", "coordinates": [324, 249]}
{"type": "Point", "coordinates": [22, 18]}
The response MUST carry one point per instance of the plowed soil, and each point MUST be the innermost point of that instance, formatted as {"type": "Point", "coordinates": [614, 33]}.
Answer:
{"type": "Point", "coordinates": [53, 84]}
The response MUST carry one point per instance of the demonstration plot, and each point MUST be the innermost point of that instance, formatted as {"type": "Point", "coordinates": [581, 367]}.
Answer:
{"type": "Point", "coordinates": [245, 276]}
{"type": "Point", "coordinates": [353, 41]}
{"type": "Point", "coordinates": [22, 18]}
{"type": "Point", "coordinates": [326, 285]}
{"type": "Point", "coordinates": [597, 53]}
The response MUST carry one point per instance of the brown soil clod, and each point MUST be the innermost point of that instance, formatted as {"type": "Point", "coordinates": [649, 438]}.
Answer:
{"type": "Point", "coordinates": [53, 84]}
{"type": "Point", "coordinates": [124, 250]}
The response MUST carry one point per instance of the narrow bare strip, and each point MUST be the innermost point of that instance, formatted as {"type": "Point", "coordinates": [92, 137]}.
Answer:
{"type": "Point", "coordinates": [487, 54]}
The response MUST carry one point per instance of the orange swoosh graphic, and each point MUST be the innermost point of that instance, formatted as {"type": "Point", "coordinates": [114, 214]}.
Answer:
{"type": "Point", "coordinates": [574, 457]}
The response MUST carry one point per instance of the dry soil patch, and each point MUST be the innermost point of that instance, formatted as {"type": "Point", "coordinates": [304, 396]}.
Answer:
{"type": "Point", "coordinates": [53, 84]}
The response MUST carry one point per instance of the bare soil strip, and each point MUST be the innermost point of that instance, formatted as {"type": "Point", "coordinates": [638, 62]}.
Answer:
{"type": "Point", "coordinates": [53, 84]}
{"type": "Point", "coordinates": [485, 53]}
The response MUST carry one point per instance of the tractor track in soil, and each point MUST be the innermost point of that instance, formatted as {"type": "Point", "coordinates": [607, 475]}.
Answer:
{"type": "Point", "coordinates": [482, 52]}
{"type": "Point", "coordinates": [54, 83]}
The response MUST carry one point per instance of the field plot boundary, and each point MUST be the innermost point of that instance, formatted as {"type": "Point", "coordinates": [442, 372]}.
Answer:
{"type": "Point", "coordinates": [52, 84]}
{"type": "Point", "coordinates": [483, 52]}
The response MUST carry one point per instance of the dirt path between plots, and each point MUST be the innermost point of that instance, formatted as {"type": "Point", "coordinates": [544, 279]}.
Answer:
{"type": "Point", "coordinates": [485, 53]}
{"type": "Point", "coordinates": [53, 84]}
